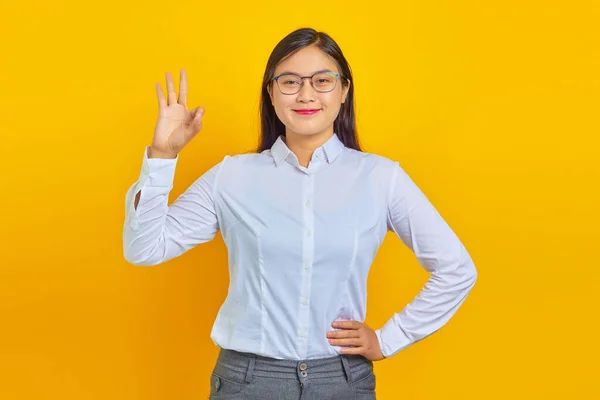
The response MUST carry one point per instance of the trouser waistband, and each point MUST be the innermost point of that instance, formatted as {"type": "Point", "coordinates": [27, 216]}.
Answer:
{"type": "Point", "coordinates": [255, 365]}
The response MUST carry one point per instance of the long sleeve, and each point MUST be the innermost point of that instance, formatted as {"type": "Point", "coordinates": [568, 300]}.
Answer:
{"type": "Point", "coordinates": [437, 248]}
{"type": "Point", "coordinates": [156, 232]}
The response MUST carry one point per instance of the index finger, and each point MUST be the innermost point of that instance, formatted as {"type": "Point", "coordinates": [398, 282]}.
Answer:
{"type": "Point", "coordinates": [182, 88]}
{"type": "Point", "coordinates": [350, 324]}
{"type": "Point", "coordinates": [162, 102]}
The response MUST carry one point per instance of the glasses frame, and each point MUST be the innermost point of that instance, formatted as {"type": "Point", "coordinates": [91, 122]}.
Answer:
{"type": "Point", "coordinates": [276, 79]}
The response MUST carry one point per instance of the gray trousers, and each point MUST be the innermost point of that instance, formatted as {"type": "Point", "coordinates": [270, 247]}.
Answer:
{"type": "Point", "coordinates": [238, 375]}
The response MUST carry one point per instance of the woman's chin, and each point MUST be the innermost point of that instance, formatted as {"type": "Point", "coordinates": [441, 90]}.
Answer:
{"type": "Point", "coordinates": [308, 129]}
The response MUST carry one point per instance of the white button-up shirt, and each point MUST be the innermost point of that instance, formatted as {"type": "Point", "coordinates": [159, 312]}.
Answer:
{"type": "Point", "coordinates": [300, 244]}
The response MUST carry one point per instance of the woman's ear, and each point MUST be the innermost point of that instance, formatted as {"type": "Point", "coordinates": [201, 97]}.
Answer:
{"type": "Point", "coordinates": [269, 88]}
{"type": "Point", "coordinates": [345, 90]}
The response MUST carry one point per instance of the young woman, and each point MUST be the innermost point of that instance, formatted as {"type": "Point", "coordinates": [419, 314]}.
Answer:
{"type": "Point", "coordinates": [302, 218]}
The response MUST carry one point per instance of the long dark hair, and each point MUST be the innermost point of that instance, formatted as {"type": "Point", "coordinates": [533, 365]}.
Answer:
{"type": "Point", "coordinates": [344, 125]}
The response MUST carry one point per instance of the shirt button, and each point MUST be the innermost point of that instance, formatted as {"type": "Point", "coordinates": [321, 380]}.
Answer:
{"type": "Point", "coordinates": [308, 233]}
{"type": "Point", "coordinates": [303, 373]}
{"type": "Point", "coordinates": [304, 302]}
{"type": "Point", "coordinates": [306, 267]}
{"type": "Point", "coordinates": [302, 334]}
{"type": "Point", "coordinates": [302, 366]}
{"type": "Point", "coordinates": [307, 204]}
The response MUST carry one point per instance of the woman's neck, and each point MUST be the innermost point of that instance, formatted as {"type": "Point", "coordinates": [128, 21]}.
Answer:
{"type": "Point", "coordinates": [303, 146]}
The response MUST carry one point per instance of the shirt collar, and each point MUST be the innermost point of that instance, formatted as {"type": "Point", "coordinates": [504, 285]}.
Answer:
{"type": "Point", "coordinates": [331, 149]}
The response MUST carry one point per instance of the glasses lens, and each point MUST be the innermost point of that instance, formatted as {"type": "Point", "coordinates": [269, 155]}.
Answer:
{"type": "Point", "coordinates": [289, 84]}
{"type": "Point", "coordinates": [324, 82]}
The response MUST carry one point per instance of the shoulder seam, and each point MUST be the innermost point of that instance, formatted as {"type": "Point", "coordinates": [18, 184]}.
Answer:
{"type": "Point", "coordinates": [218, 175]}
{"type": "Point", "coordinates": [396, 167]}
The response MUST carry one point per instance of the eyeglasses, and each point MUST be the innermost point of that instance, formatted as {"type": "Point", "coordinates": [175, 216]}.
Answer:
{"type": "Point", "coordinates": [322, 81]}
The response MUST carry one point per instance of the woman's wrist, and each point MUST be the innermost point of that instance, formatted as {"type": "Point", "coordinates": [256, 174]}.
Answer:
{"type": "Point", "coordinates": [153, 153]}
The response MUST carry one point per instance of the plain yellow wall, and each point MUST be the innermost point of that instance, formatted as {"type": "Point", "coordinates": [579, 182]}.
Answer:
{"type": "Point", "coordinates": [491, 106]}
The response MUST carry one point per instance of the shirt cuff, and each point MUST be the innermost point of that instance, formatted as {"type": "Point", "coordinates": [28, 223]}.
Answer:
{"type": "Point", "coordinates": [157, 172]}
{"type": "Point", "coordinates": [391, 338]}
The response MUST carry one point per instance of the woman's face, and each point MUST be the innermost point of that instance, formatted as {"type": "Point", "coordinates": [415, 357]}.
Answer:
{"type": "Point", "coordinates": [306, 62]}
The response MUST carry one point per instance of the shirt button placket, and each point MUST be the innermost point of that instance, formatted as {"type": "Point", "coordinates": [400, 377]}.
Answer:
{"type": "Point", "coordinates": [308, 251]}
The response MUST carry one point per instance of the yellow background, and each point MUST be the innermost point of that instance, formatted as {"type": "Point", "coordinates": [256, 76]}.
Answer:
{"type": "Point", "coordinates": [491, 106]}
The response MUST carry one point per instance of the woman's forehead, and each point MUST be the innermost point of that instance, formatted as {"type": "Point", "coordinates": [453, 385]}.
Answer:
{"type": "Point", "coordinates": [306, 61]}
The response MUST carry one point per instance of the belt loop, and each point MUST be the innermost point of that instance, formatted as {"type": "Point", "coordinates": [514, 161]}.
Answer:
{"type": "Point", "coordinates": [346, 366]}
{"type": "Point", "coordinates": [250, 369]}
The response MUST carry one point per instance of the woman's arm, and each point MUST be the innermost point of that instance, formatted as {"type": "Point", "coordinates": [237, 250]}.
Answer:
{"type": "Point", "coordinates": [437, 248]}
{"type": "Point", "coordinates": [155, 232]}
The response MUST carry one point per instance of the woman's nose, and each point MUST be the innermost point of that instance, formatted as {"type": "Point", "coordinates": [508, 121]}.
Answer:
{"type": "Point", "coordinates": [306, 89]}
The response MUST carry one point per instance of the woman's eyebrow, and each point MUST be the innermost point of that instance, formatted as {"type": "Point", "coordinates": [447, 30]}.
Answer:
{"type": "Point", "coordinates": [295, 73]}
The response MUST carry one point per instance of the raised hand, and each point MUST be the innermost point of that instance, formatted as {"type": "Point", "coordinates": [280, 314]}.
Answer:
{"type": "Point", "coordinates": [176, 126]}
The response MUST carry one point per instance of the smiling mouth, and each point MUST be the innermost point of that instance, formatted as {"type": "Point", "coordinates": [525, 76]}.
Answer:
{"type": "Point", "coordinates": [306, 112]}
